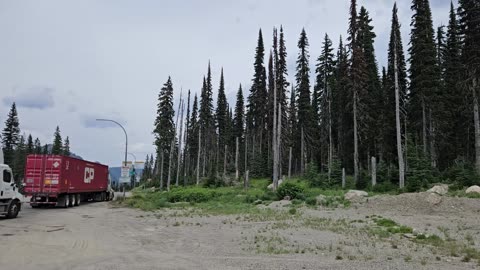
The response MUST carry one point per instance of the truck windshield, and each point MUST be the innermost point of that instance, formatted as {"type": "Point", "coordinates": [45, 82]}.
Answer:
{"type": "Point", "coordinates": [7, 177]}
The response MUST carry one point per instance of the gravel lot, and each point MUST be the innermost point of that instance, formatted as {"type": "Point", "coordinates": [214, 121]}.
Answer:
{"type": "Point", "coordinates": [104, 236]}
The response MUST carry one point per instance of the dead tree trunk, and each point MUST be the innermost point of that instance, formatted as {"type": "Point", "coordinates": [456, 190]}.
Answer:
{"type": "Point", "coordinates": [343, 178]}
{"type": "Point", "coordinates": [290, 163]}
{"type": "Point", "coordinates": [401, 164]}
{"type": "Point", "coordinates": [274, 137]}
{"type": "Point", "coordinates": [302, 153]}
{"type": "Point", "coordinates": [170, 158]}
{"type": "Point", "coordinates": [277, 146]}
{"type": "Point", "coordinates": [355, 138]}
{"type": "Point", "coordinates": [225, 163]}
{"type": "Point", "coordinates": [424, 126]}
{"type": "Point", "coordinates": [433, 153]}
{"type": "Point", "coordinates": [179, 158]}
{"type": "Point", "coordinates": [477, 125]}
{"type": "Point", "coordinates": [161, 169]}
{"type": "Point", "coordinates": [204, 160]}
{"type": "Point", "coordinates": [198, 155]}
{"type": "Point", "coordinates": [245, 178]}
{"type": "Point", "coordinates": [237, 173]}
{"type": "Point", "coordinates": [330, 139]}
{"type": "Point", "coordinates": [374, 171]}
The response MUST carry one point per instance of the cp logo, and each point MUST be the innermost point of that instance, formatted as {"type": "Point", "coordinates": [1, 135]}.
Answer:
{"type": "Point", "coordinates": [89, 175]}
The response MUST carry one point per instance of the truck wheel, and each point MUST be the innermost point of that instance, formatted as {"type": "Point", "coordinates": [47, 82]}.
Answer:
{"type": "Point", "coordinates": [13, 209]}
{"type": "Point", "coordinates": [78, 199]}
{"type": "Point", "coordinates": [72, 200]}
{"type": "Point", "coordinates": [67, 200]}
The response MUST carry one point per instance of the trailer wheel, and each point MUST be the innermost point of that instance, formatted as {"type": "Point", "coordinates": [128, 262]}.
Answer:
{"type": "Point", "coordinates": [66, 200]}
{"type": "Point", "coordinates": [13, 209]}
{"type": "Point", "coordinates": [78, 199]}
{"type": "Point", "coordinates": [72, 200]}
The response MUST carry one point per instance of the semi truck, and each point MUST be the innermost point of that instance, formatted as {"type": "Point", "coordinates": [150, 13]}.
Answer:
{"type": "Point", "coordinates": [63, 181]}
{"type": "Point", "coordinates": [10, 197]}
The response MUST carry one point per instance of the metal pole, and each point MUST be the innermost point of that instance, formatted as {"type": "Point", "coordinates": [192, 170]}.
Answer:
{"type": "Point", "coordinates": [126, 142]}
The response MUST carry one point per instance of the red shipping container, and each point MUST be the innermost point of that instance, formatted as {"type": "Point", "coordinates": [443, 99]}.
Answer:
{"type": "Point", "coordinates": [50, 178]}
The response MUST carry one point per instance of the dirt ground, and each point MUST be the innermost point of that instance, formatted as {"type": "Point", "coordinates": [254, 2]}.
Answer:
{"type": "Point", "coordinates": [103, 236]}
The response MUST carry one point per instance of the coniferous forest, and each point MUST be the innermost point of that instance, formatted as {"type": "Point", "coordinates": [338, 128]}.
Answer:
{"type": "Point", "coordinates": [408, 124]}
{"type": "Point", "coordinates": [411, 123]}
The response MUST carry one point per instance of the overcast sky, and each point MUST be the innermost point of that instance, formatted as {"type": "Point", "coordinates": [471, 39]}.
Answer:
{"type": "Point", "coordinates": [68, 62]}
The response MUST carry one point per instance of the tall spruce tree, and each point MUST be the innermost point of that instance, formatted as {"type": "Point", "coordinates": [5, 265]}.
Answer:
{"type": "Point", "coordinates": [457, 121]}
{"type": "Point", "coordinates": [57, 146]}
{"type": "Point", "coordinates": [10, 135]}
{"type": "Point", "coordinates": [424, 77]}
{"type": "Point", "coordinates": [164, 129]}
{"type": "Point", "coordinates": [221, 115]}
{"type": "Point", "coordinates": [257, 112]}
{"type": "Point", "coordinates": [305, 119]}
{"type": "Point", "coordinates": [193, 130]}
{"type": "Point", "coordinates": [322, 100]}
{"type": "Point", "coordinates": [470, 31]}
{"type": "Point", "coordinates": [343, 108]}
{"type": "Point", "coordinates": [239, 125]}
{"type": "Point", "coordinates": [359, 76]}
{"type": "Point", "coordinates": [395, 48]}
{"type": "Point", "coordinates": [373, 97]}
{"type": "Point", "coordinates": [207, 123]}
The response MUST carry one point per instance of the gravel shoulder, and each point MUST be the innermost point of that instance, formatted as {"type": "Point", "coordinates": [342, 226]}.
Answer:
{"type": "Point", "coordinates": [103, 236]}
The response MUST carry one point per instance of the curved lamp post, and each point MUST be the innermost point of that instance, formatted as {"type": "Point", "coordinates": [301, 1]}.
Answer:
{"type": "Point", "coordinates": [126, 137]}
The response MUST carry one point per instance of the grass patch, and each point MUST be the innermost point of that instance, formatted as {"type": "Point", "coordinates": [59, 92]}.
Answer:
{"type": "Point", "coordinates": [385, 222]}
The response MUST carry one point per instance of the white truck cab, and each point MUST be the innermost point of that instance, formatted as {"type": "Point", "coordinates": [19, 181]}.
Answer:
{"type": "Point", "coordinates": [10, 197]}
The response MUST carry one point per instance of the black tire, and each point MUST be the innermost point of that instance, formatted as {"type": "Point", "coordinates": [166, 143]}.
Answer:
{"type": "Point", "coordinates": [78, 199]}
{"type": "Point", "coordinates": [67, 201]}
{"type": "Point", "coordinates": [72, 200]}
{"type": "Point", "coordinates": [13, 209]}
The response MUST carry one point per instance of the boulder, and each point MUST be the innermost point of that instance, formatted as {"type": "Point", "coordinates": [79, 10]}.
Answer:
{"type": "Point", "coordinates": [433, 199]}
{"type": "Point", "coordinates": [439, 189]}
{"type": "Point", "coordinates": [473, 189]}
{"type": "Point", "coordinates": [355, 195]}
{"type": "Point", "coordinates": [270, 187]}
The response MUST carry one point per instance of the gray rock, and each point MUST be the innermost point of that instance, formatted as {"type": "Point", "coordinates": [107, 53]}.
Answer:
{"type": "Point", "coordinates": [473, 189]}
{"type": "Point", "coordinates": [433, 199]}
{"type": "Point", "coordinates": [439, 189]}
{"type": "Point", "coordinates": [356, 196]}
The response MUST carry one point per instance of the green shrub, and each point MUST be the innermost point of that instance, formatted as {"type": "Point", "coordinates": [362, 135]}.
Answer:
{"type": "Point", "coordinates": [384, 187]}
{"type": "Point", "coordinates": [292, 211]}
{"type": "Point", "coordinates": [461, 174]}
{"type": "Point", "coordinates": [193, 195]}
{"type": "Point", "coordinates": [363, 180]}
{"type": "Point", "coordinates": [385, 222]}
{"type": "Point", "coordinates": [311, 201]}
{"type": "Point", "coordinates": [293, 190]}
{"type": "Point", "coordinates": [268, 196]}
{"type": "Point", "coordinates": [213, 182]}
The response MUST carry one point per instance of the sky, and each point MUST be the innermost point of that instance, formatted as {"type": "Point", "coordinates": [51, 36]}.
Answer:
{"type": "Point", "coordinates": [67, 63]}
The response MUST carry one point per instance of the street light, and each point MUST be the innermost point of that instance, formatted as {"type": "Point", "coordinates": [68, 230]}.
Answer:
{"type": "Point", "coordinates": [126, 137]}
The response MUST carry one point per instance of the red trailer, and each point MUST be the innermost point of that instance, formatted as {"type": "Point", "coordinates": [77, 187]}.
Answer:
{"type": "Point", "coordinates": [65, 181]}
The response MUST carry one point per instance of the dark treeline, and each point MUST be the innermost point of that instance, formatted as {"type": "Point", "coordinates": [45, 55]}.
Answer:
{"type": "Point", "coordinates": [17, 146]}
{"type": "Point", "coordinates": [412, 125]}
